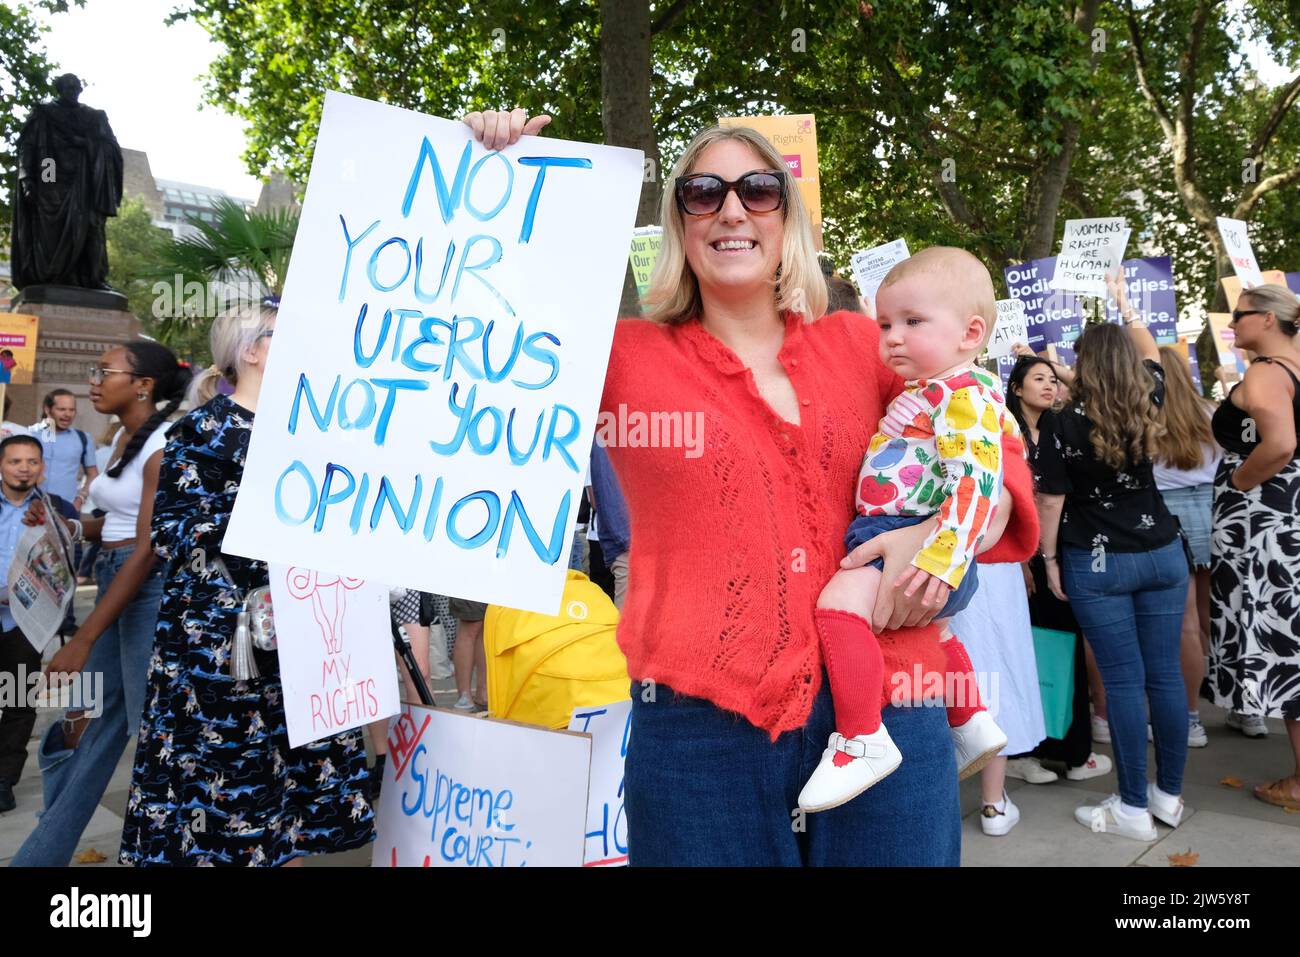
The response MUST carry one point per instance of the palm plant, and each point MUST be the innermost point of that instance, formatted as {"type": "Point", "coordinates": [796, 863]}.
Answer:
{"type": "Point", "coordinates": [244, 251]}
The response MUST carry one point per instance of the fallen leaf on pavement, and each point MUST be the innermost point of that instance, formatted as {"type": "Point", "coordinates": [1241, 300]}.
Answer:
{"type": "Point", "coordinates": [1186, 859]}
{"type": "Point", "coordinates": [1292, 810]}
{"type": "Point", "coordinates": [90, 856]}
{"type": "Point", "coordinates": [1231, 782]}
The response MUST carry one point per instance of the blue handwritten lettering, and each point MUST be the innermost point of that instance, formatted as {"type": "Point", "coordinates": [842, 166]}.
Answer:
{"type": "Point", "coordinates": [351, 244]}
{"type": "Point", "coordinates": [542, 162]}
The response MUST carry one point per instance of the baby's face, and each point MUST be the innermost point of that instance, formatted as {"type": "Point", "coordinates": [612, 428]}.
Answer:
{"type": "Point", "coordinates": [923, 332]}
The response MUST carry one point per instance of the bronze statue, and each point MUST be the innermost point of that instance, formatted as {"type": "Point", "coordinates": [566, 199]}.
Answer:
{"type": "Point", "coordinates": [69, 182]}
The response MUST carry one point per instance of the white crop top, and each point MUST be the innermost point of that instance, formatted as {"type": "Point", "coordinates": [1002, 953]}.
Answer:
{"type": "Point", "coordinates": [120, 497]}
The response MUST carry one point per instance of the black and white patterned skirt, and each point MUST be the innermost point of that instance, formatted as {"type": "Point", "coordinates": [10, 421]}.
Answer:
{"type": "Point", "coordinates": [1255, 594]}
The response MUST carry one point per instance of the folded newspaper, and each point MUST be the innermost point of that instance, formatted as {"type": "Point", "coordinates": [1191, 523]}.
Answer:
{"type": "Point", "coordinates": [41, 579]}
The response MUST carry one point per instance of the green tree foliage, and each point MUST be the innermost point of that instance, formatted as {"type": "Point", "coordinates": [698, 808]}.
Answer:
{"type": "Point", "coordinates": [134, 243]}
{"type": "Point", "coordinates": [177, 286]}
{"type": "Point", "coordinates": [231, 262]}
{"type": "Point", "coordinates": [978, 124]}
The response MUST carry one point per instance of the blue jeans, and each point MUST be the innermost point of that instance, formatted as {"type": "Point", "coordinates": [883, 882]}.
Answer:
{"type": "Point", "coordinates": [74, 780]}
{"type": "Point", "coordinates": [866, 527]}
{"type": "Point", "coordinates": [704, 787]}
{"type": "Point", "coordinates": [1131, 612]}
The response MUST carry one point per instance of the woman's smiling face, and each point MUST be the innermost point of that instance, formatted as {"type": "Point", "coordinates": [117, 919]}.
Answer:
{"type": "Point", "coordinates": [732, 250]}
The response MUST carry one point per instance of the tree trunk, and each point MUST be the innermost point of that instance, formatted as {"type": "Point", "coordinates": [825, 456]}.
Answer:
{"type": "Point", "coordinates": [1044, 201]}
{"type": "Point", "coordinates": [625, 65]}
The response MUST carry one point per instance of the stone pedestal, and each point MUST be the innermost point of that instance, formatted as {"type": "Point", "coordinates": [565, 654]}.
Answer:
{"type": "Point", "coordinates": [70, 340]}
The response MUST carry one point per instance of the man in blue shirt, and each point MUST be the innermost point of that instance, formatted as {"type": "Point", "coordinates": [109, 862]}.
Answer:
{"type": "Point", "coordinates": [67, 450]}
{"type": "Point", "coordinates": [21, 461]}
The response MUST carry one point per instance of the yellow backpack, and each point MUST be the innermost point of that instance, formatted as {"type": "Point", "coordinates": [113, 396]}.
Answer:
{"type": "Point", "coordinates": [542, 667]}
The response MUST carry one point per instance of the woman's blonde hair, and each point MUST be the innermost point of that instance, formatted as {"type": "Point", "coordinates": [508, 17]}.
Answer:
{"type": "Point", "coordinates": [232, 334]}
{"type": "Point", "coordinates": [1280, 301]}
{"type": "Point", "coordinates": [799, 286]}
{"type": "Point", "coordinates": [1115, 389]}
{"type": "Point", "coordinates": [1181, 444]}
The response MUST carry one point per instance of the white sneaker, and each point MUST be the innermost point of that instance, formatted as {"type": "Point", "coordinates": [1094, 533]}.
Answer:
{"type": "Point", "coordinates": [1107, 818]}
{"type": "Point", "coordinates": [1196, 736]}
{"type": "Point", "coordinates": [1100, 730]}
{"type": "Point", "coordinates": [996, 823]}
{"type": "Point", "coordinates": [1031, 770]}
{"type": "Point", "coordinates": [1251, 725]}
{"type": "Point", "coordinates": [978, 742]}
{"type": "Point", "coordinates": [1094, 767]}
{"type": "Point", "coordinates": [1163, 807]}
{"type": "Point", "coordinates": [875, 757]}
{"type": "Point", "coordinates": [464, 703]}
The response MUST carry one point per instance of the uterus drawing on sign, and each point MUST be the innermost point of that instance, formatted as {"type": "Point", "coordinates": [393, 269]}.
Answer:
{"type": "Point", "coordinates": [328, 595]}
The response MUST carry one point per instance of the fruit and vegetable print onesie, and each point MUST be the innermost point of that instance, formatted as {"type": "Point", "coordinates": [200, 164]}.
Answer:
{"type": "Point", "coordinates": [937, 452]}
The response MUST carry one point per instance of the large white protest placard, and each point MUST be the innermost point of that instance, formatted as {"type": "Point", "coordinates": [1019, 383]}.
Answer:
{"type": "Point", "coordinates": [40, 584]}
{"type": "Point", "coordinates": [870, 267]}
{"type": "Point", "coordinates": [1011, 327]}
{"type": "Point", "coordinates": [336, 652]}
{"type": "Point", "coordinates": [1237, 242]}
{"type": "Point", "coordinates": [1090, 248]}
{"type": "Point", "coordinates": [461, 791]}
{"type": "Point", "coordinates": [430, 399]}
{"type": "Point", "coordinates": [610, 726]}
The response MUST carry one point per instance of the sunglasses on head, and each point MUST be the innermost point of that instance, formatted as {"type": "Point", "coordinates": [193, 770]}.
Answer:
{"type": "Point", "coordinates": [702, 194]}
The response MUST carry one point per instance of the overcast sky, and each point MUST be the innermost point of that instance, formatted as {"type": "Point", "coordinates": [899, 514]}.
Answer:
{"type": "Point", "coordinates": [145, 76]}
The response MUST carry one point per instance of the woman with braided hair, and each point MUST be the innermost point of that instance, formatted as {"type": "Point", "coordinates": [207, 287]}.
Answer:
{"type": "Point", "coordinates": [78, 755]}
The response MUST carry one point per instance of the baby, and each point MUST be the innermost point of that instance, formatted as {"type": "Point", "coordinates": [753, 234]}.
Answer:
{"type": "Point", "coordinates": [937, 452]}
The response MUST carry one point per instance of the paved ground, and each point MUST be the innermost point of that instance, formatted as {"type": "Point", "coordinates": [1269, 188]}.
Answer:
{"type": "Point", "coordinates": [1225, 826]}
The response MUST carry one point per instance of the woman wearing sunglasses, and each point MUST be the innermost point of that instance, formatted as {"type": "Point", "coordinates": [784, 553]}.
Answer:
{"type": "Point", "coordinates": [1254, 584]}
{"type": "Point", "coordinates": [730, 549]}
{"type": "Point", "coordinates": [79, 754]}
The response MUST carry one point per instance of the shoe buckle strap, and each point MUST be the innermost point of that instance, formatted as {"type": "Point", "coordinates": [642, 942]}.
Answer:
{"type": "Point", "coordinates": [857, 749]}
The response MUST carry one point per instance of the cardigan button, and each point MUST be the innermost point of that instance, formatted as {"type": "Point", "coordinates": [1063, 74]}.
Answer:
{"type": "Point", "coordinates": [807, 402]}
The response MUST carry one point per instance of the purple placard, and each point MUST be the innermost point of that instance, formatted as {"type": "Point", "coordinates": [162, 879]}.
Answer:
{"type": "Point", "coordinates": [1293, 282]}
{"type": "Point", "coordinates": [1005, 365]}
{"type": "Point", "coordinates": [1194, 367]}
{"type": "Point", "coordinates": [1150, 286]}
{"type": "Point", "coordinates": [1051, 315]}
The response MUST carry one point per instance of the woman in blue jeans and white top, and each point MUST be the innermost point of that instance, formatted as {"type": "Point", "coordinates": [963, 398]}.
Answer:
{"type": "Point", "coordinates": [1121, 562]}
{"type": "Point", "coordinates": [1185, 461]}
{"type": "Point", "coordinates": [78, 755]}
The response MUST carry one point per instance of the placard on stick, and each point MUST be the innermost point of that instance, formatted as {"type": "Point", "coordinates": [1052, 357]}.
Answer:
{"type": "Point", "coordinates": [795, 138]}
{"type": "Point", "coordinates": [1009, 328]}
{"type": "Point", "coordinates": [646, 243]}
{"type": "Point", "coordinates": [430, 399]}
{"type": "Point", "coordinates": [1236, 241]}
{"type": "Point", "coordinates": [1232, 285]}
{"type": "Point", "coordinates": [336, 652]}
{"type": "Point", "coordinates": [870, 266]}
{"type": "Point", "coordinates": [1090, 249]}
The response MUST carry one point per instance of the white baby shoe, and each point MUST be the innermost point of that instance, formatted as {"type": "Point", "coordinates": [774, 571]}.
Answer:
{"type": "Point", "coordinates": [874, 757]}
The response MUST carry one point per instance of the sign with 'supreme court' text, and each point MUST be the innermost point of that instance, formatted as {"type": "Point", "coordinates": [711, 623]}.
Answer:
{"type": "Point", "coordinates": [432, 390]}
{"type": "Point", "coordinates": [461, 791]}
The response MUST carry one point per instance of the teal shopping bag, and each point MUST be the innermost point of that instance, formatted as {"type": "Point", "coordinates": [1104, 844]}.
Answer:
{"type": "Point", "coordinates": [1055, 653]}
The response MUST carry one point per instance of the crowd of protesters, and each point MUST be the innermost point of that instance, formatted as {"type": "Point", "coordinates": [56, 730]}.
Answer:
{"type": "Point", "coordinates": [1133, 514]}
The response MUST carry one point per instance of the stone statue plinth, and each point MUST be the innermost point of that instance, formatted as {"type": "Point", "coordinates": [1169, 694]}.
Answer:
{"type": "Point", "coordinates": [69, 342]}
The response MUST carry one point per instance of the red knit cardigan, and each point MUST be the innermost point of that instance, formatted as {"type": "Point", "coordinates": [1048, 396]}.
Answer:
{"type": "Point", "coordinates": [733, 540]}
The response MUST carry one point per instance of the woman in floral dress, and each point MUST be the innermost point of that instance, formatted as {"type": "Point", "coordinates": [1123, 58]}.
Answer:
{"type": "Point", "coordinates": [215, 781]}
